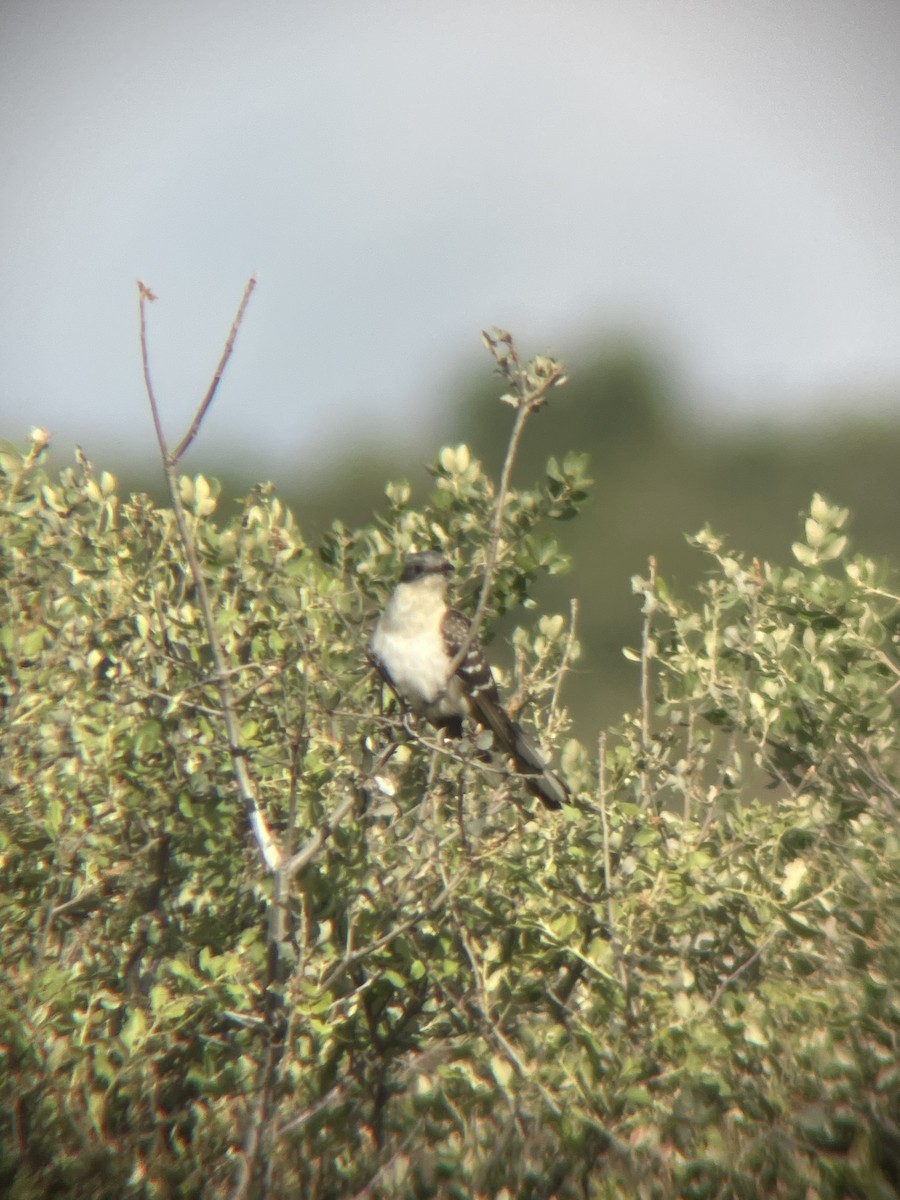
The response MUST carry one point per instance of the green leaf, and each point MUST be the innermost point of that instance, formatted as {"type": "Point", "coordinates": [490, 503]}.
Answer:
{"type": "Point", "coordinates": [147, 737]}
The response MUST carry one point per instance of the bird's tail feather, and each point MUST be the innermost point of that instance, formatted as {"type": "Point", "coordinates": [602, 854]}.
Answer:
{"type": "Point", "coordinates": [536, 775]}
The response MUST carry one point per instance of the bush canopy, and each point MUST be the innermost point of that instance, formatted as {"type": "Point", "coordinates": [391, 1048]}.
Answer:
{"type": "Point", "coordinates": [683, 985]}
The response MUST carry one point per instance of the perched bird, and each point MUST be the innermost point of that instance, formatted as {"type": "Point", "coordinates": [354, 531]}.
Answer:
{"type": "Point", "coordinates": [413, 645]}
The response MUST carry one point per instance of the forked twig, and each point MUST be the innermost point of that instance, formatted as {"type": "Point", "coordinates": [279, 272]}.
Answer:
{"type": "Point", "coordinates": [269, 851]}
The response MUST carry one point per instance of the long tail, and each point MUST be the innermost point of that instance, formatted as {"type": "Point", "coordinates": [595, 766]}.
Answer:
{"type": "Point", "coordinates": [536, 775]}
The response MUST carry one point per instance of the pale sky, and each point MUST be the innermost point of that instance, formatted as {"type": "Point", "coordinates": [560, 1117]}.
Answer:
{"type": "Point", "coordinates": [722, 176]}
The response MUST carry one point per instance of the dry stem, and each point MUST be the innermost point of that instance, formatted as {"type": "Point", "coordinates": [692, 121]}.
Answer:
{"type": "Point", "coordinates": [528, 400]}
{"type": "Point", "coordinates": [269, 851]}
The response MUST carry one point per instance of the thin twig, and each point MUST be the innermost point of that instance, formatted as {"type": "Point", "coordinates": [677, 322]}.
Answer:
{"type": "Point", "coordinates": [743, 691]}
{"type": "Point", "coordinates": [649, 607]}
{"type": "Point", "coordinates": [402, 1147]}
{"type": "Point", "coordinates": [207, 400]}
{"type": "Point", "coordinates": [687, 810]}
{"type": "Point", "coordinates": [607, 868]}
{"type": "Point", "coordinates": [334, 1093]}
{"type": "Point", "coordinates": [739, 971]}
{"type": "Point", "coordinates": [567, 654]}
{"type": "Point", "coordinates": [88, 898]}
{"type": "Point", "coordinates": [146, 296]}
{"type": "Point", "coordinates": [528, 401]}
{"type": "Point", "coordinates": [429, 910]}
{"type": "Point", "coordinates": [484, 1003]}
{"type": "Point", "coordinates": [490, 566]}
{"type": "Point", "coordinates": [315, 843]}
{"type": "Point", "coordinates": [461, 816]}
{"type": "Point", "coordinates": [607, 871]}
{"type": "Point", "coordinates": [296, 759]}
{"type": "Point", "coordinates": [481, 987]}
{"type": "Point", "coordinates": [269, 851]}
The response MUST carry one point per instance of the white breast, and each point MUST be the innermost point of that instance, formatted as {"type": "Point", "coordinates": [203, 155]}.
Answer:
{"type": "Point", "coordinates": [409, 644]}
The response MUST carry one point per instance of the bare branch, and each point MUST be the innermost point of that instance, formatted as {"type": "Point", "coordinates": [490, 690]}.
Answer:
{"type": "Point", "coordinates": [484, 1004]}
{"type": "Point", "coordinates": [207, 400]}
{"type": "Point", "coordinates": [334, 1094]}
{"type": "Point", "coordinates": [614, 941]}
{"type": "Point", "coordinates": [529, 396]}
{"type": "Point", "coordinates": [567, 654]}
{"type": "Point", "coordinates": [250, 1163]}
{"type": "Point", "coordinates": [739, 971]}
{"type": "Point", "coordinates": [315, 843]}
{"type": "Point", "coordinates": [145, 296]}
{"type": "Point", "coordinates": [646, 655]}
{"type": "Point", "coordinates": [269, 851]}
{"type": "Point", "coordinates": [428, 910]}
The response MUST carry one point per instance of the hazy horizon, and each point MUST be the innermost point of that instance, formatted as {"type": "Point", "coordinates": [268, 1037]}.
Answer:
{"type": "Point", "coordinates": [721, 180]}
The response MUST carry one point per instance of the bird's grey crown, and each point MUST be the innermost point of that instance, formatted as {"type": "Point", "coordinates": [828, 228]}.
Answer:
{"type": "Point", "coordinates": [425, 562]}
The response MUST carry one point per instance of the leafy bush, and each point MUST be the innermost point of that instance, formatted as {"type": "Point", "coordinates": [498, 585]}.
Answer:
{"type": "Point", "coordinates": [683, 985]}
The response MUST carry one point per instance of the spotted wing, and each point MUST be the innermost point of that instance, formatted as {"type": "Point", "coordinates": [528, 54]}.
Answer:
{"type": "Point", "coordinates": [487, 709]}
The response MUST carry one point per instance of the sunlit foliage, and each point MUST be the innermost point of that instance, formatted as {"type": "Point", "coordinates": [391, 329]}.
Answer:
{"type": "Point", "coordinates": [686, 984]}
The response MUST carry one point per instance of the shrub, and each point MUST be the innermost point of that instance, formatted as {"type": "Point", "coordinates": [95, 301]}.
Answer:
{"type": "Point", "coordinates": [685, 984]}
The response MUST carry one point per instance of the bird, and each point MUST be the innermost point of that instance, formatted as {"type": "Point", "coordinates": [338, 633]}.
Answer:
{"type": "Point", "coordinates": [413, 646]}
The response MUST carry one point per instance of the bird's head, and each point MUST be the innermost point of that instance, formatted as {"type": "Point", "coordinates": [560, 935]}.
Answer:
{"type": "Point", "coordinates": [426, 565]}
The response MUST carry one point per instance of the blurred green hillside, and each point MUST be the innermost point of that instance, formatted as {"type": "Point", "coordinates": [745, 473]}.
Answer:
{"type": "Point", "coordinates": [660, 472]}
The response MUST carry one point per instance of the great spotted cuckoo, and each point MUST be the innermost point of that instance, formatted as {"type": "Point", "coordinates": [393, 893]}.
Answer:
{"type": "Point", "coordinates": [414, 644]}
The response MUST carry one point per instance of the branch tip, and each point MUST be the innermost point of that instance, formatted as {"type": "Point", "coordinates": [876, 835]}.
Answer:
{"type": "Point", "coordinates": [207, 400]}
